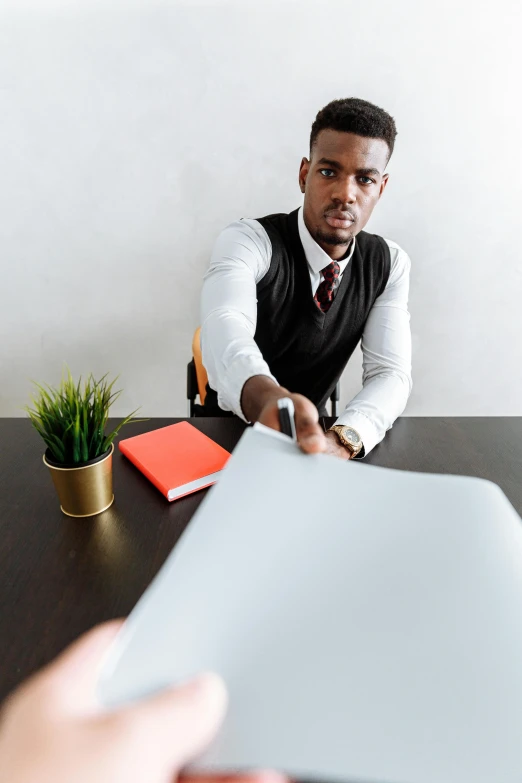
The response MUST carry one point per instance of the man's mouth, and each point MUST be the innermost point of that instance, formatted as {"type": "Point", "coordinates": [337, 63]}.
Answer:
{"type": "Point", "coordinates": [338, 218]}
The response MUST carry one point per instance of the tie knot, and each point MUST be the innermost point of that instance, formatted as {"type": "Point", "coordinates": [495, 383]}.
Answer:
{"type": "Point", "coordinates": [331, 272]}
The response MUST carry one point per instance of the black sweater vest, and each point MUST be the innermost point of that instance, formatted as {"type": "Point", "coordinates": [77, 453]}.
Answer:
{"type": "Point", "coordinates": [307, 350]}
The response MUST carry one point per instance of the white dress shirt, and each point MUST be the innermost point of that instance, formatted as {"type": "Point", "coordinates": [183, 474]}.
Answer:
{"type": "Point", "coordinates": [240, 259]}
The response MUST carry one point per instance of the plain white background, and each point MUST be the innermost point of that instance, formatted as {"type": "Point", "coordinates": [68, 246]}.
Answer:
{"type": "Point", "coordinates": [132, 132]}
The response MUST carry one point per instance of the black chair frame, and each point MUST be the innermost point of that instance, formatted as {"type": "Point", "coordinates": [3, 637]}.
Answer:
{"type": "Point", "coordinates": [194, 409]}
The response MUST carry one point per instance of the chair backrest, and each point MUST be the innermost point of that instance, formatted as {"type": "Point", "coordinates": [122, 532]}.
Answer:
{"type": "Point", "coordinates": [201, 373]}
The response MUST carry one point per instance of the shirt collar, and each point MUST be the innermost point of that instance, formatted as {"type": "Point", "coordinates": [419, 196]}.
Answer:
{"type": "Point", "coordinates": [315, 255]}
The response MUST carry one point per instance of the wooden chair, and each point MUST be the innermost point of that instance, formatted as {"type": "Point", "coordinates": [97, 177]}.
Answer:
{"type": "Point", "coordinates": [197, 380]}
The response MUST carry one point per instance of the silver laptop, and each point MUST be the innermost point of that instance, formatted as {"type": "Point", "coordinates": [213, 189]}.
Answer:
{"type": "Point", "coordinates": [367, 621]}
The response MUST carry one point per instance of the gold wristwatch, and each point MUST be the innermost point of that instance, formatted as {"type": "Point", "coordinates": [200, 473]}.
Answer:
{"type": "Point", "coordinates": [349, 437]}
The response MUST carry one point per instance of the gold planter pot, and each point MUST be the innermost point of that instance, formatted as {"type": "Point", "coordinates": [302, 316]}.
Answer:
{"type": "Point", "coordinates": [85, 490]}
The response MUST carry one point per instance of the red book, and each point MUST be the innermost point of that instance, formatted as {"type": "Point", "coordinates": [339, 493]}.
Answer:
{"type": "Point", "coordinates": [178, 459]}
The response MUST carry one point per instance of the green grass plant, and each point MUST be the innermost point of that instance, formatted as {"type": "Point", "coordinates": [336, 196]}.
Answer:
{"type": "Point", "coordinates": [72, 418]}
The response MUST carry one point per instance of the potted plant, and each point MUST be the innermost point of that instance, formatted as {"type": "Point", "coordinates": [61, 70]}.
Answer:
{"type": "Point", "coordinates": [71, 420]}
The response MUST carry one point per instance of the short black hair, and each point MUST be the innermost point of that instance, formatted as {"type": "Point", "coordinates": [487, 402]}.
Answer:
{"type": "Point", "coordinates": [353, 115]}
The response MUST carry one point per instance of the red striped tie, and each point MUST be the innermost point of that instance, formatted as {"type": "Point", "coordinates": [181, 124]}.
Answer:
{"type": "Point", "coordinates": [324, 294]}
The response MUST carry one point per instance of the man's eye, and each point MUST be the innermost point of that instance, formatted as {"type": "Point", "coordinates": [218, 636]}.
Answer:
{"type": "Point", "coordinates": [330, 171]}
{"type": "Point", "coordinates": [368, 180]}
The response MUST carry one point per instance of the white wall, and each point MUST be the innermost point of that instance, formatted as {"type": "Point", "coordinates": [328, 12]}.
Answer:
{"type": "Point", "coordinates": [131, 133]}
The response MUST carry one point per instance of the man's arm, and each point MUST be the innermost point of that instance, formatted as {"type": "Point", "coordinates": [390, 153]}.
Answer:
{"type": "Point", "coordinates": [240, 259]}
{"type": "Point", "coordinates": [386, 347]}
{"type": "Point", "coordinates": [234, 364]}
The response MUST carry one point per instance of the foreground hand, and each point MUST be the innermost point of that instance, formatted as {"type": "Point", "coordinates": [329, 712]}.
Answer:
{"type": "Point", "coordinates": [53, 731]}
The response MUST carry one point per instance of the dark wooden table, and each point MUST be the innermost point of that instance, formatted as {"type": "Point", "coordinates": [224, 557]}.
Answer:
{"type": "Point", "coordinates": [60, 576]}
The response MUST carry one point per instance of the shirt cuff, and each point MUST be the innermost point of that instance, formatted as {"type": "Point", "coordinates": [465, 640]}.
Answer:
{"type": "Point", "coordinates": [238, 373]}
{"type": "Point", "coordinates": [364, 426]}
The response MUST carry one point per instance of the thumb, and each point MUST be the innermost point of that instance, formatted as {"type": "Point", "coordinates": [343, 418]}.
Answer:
{"type": "Point", "coordinates": [310, 436]}
{"type": "Point", "coordinates": [71, 678]}
{"type": "Point", "coordinates": [178, 723]}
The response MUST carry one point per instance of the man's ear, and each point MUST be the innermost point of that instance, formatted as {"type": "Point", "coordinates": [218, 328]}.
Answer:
{"type": "Point", "coordinates": [384, 182]}
{"type": "Point", "coordinates": [304, 168]}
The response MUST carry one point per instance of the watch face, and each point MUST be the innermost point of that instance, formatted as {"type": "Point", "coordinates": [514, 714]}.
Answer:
{"type": "Point", "coordinates": [351, 436]}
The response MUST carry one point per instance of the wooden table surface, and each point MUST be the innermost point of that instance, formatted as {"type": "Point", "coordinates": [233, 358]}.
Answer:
{"type": "Point", "coordinates": [59, 576]}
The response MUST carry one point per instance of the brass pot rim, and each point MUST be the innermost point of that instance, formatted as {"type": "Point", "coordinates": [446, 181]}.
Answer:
{"type": "Point", "coordinates": [80, 467]}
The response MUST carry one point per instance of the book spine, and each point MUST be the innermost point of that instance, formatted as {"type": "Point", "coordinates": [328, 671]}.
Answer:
{"type": "Point", "coordinates": [136, 462]}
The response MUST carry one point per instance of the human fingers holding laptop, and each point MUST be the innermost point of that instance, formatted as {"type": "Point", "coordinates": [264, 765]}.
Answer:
{"type": "Point", "coordinates": [52, 729]}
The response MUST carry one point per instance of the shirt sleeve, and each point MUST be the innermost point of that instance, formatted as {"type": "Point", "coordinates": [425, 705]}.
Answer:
{"type": "Point", "coordinates": [386, 348]}
{"type": "Point", "coordinates": [240, 259]}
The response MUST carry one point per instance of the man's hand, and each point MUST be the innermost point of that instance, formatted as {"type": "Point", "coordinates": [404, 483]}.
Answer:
{"type": "Point", "coordinates": [259, 403]}
{"type": "Point", "coordinates": [53, 731]}
{"type": "Point", "coordinates": [336, 448]}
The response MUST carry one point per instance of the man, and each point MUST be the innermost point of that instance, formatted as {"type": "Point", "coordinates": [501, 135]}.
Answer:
{"type": "Point", "coordinates": [53, 730]}
{"type": "Point", "coordinates": [287, 298]}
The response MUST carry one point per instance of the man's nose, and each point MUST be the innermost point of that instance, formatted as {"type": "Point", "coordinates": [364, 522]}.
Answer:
{"type": "Point", "coordinates": [345, 190]}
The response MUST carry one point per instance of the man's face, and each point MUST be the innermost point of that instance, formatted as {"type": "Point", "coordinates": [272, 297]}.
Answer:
{"type": "Point", "coordinates": [342, 182]}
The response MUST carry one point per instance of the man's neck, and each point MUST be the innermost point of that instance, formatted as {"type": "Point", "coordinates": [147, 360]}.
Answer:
{"type": "Point", "coordinates": [336, 252]}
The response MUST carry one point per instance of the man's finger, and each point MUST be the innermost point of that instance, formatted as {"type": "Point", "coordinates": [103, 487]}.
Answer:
{"type": "Point", "coordinates": [73, 675]}
{"type": "Point", "coordinates": [178, 723]}
{"type": "Point", "coordinates": [261, 776]}
{"type": "Point", "coordinates": [310, 435]}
